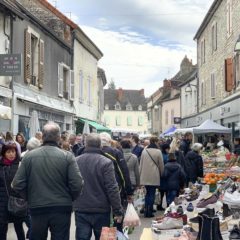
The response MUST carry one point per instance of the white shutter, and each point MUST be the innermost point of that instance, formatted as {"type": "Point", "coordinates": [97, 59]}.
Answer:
{"type": "Point", "coordinates": [41, 64]}
{"type": "Point", "coordinates": [81, 86]}
{"type": "Point", "coordinates": [60, 80]}
{"type": "Point", "coordinates": [71, 88]}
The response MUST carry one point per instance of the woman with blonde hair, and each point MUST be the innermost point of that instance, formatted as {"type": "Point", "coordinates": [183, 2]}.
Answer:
{"type": "Point", "coordinates": [175, 148]}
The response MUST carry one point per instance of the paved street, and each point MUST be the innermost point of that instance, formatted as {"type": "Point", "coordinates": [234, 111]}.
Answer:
{"type": "Point", "coordinates": [135, 236]}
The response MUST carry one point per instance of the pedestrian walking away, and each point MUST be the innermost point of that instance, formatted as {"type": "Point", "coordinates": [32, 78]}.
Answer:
{"type": "Point", "coordinates": [51, 180]}
{"type": "Point", "coordinates": [100, 194]}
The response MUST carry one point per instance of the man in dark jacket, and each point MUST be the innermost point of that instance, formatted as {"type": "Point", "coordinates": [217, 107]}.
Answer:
{"type": "Point", "coordinates": [174, 176]}
{"type": "Point", "coordinates": [121, 171]}
{"type": "Point", "coordinates": [136, 148]}
{"type": "Point", "coordinates": [100, 194]}
{"type": "Point", "coordinates": [193, 164]}
{"type": "Point", "coordinates": [50, 179]}
{"type": "Point", "coordinates": [185, 145]}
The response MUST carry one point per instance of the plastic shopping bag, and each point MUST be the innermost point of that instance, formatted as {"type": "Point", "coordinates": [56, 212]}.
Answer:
{"type": "Point", "coordinates": [131, 218]}
{"type": "Point", "coordinates": [122, 236]}
{"type": "Point", "coordinates": [108, 233]}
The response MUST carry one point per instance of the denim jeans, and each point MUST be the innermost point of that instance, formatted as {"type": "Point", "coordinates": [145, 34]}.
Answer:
{"type": "Point", "coordinates": [150, 196]}
{"type": "Point", "coordinates": [88, 222]}
{"type": "Point", "coordinates": [171, 194]}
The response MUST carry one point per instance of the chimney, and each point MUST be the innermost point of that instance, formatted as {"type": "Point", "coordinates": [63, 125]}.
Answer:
{"type": "Point", "coordinates": [166, 83]}
{"type": "Point", "coordinates": [120, 94]}
{"type": "Point", "coordinates": [142, 92]}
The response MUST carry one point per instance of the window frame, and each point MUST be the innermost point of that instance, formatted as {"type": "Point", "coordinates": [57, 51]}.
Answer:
{"type": "Point", "coordinates": [213, 85]}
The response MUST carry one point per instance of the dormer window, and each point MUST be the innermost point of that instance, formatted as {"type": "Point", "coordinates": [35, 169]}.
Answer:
{"type": "Point", "coordinates": [129, 107]}
{"type": "Point", "coordinates": [117, 106]}
{"type": "Point", "coordinates": [140, 108]}
{"type": "Point", "coordinates": [106, 107]}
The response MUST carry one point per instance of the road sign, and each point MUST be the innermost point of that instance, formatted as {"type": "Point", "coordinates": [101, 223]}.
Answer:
{"type": "Point", "coordinates": [10, 64]}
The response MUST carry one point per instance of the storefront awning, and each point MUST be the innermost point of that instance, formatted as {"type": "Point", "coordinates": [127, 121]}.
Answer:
{"type": "Point", "coordinates": [99, 128]}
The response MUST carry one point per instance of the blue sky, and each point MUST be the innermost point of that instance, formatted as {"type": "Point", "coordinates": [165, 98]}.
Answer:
{"type": "Point", "coordinates": [143, 41]}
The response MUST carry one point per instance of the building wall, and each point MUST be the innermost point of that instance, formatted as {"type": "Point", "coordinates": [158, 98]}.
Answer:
{"type": "Point", "coordinates": [215, 60]}
{"type": "Point", "coordinates": [110, 117]}
{"type": "Point", "coordinates": [5, 81]}
{"type": "Point", "coordinates": [171, 106]}
{"type": "Point", "coordinates": [54, 53]}
{"type": "Point", "coordinates": [85, 64]}
{"type": "Point", "coordinates": [189, 100]}
{"type": "Point", "coordinates": [4, 42]}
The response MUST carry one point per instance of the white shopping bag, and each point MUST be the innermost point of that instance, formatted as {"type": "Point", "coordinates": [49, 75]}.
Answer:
{"type": "Point", "coordinates": [164, 202]}
{"type": "Point", "coordinates": [131, 218]}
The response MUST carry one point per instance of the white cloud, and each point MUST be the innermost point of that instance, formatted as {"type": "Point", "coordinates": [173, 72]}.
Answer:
{"type": "Point", "coordinates": [135, 64]}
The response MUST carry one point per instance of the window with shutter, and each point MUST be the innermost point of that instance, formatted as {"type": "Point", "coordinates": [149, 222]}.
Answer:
{"type": "Point", "coordinates": [202, 49]}
{"type": "Point", "coordinates": [229, 82]}
{"type": "Point", "coordinates": [118, 121]}
{"type": "Point", "coordinates": [60, 80]}
{"type": "Point", "coordinates": [213, 86]}
{"type": "Point", "coordinates": [166, 117]}
{"type": "Point", "coordinates": [140, 120]}
{"type": "Point", "coordinates": [214, 37]}
{"type": "Point", "coordinates": [89, 92]}
{"type": "Point", "coordinates": [129, 121]}
{"type": "Point", "coordinates": [229, 18]}
{"type": "Point", "coordinates": [27, 57]}
{"type": "Point", "coordinates": [71, 88]}
{"type": "Point", "coordinates": [172, 116]}
{"type": "Point", "coordinates": [81, 86]}
{"type": "Point", "coordinates": [41, 64]}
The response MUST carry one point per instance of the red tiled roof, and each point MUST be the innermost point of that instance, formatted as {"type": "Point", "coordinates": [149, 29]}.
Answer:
{"type": "Point", "coordinates": [58, 13]}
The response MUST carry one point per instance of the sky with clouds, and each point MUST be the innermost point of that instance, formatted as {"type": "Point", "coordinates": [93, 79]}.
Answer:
{"type": "Point", "coordinates": [143, 41]}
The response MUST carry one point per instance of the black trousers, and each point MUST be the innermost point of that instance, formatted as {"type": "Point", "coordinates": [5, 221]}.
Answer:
{"type": "Point", "coordinates": [57, 223]}
{"type": "Point", "coordinates": [18, 226]}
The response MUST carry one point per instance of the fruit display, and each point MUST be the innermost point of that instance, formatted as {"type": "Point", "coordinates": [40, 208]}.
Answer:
{"type": "Point", "coordinates": [213, 178]}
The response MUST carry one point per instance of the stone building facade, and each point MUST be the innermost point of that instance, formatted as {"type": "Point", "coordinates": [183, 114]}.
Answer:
{"type": "Point", "coordinates": [219, 65]}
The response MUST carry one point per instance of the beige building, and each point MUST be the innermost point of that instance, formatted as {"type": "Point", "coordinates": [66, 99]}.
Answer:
{"type": "Point", "coordinates": [170, 110]}
{"type": "Point", "coordinates": [125, 110]}
{"type": "Point", "coordinates": [86, 56]}
{"type": "Point", "coordinates": [219, 65]}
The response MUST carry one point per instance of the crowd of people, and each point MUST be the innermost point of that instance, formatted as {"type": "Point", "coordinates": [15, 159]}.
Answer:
{"type": "Point", "coordinates": [92, 175]}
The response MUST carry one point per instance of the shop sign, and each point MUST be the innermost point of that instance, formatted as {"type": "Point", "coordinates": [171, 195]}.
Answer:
{"type": "Point", "coordinates": [224, 110]}
{"type": "Point", "coordinates": [10, 64]}
{"type": "Point", "coordinates": [177, 120]}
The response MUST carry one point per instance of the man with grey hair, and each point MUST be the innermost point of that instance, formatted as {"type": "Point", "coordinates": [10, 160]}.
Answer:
{"type": "Point", "coordinates": [74, 145]}
{"type": "Point", "coordinates": [121, 171]}
{"type": "Point", "coordinates": [51, 180]}
{"type": "Point", "coordinates": [100, 194]}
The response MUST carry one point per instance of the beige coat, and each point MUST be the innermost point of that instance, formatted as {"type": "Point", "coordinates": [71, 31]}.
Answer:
{"type": "Point", "coordinates": [149, 172]}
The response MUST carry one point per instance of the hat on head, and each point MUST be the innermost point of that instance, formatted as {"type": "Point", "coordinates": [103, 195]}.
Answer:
{"type": "Point", "coordinates": [171, 156]}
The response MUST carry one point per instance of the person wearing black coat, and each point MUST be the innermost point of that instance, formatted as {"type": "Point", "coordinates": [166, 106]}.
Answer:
{"type": "Point", "coordinates": [8, 168]}
{"type": "Point", "coordinates": [193, 164]}
{"type": "Point", "coordinates": [185, 145]}
{"type": "Point", "coordinates": [174, 176]}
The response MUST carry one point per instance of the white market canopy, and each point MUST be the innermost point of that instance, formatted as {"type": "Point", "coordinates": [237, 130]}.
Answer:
{"type": "Point", "coordinates": [211, 127]}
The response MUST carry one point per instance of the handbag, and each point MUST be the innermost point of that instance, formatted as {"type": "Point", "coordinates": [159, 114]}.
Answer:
{"type": "Point", "coordinates": [16, 206]}
{"type": "Point", "coordinates": [154, 162]}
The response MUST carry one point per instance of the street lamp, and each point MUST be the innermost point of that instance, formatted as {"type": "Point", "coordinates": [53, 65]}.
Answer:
{"type": "Point", "coordinates": [237, 45]}
{"type": "Point", "coordinates": [188, 88]}
{"type": "Point", "coordinates": [156, 107]}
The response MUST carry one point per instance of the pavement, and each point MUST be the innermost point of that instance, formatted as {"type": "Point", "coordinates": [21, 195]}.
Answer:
{"type": "Point", "coordinates": [145, 223]}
